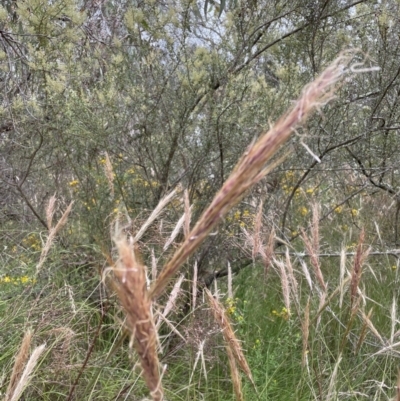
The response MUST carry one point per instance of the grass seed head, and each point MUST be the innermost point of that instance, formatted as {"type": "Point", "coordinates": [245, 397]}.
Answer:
{"type": "Point", "coordinates": [131, 287]}
{"type": "Point", "coordinates": [250, 168]}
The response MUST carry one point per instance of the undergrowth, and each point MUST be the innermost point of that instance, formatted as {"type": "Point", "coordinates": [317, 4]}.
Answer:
{"type": "Point", "coordinates": [312, 317]}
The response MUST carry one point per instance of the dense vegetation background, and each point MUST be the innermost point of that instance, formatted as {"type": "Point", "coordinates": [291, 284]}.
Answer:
{"type": "Point", "coordinates": [113, 105]}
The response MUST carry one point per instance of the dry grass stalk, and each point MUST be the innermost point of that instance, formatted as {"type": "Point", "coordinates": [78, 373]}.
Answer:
{"type": "Point", "coordinates": [393, 314]}
{"type": "Point", "coordinates": [194, 285]}
{"type": "Point", "coordinates": [321, 306]}
{"type": "Point", "coordinates": [292, 279]}
{"type": "Point", "coordinates": [230, 290]}
{"type": "Point", "coordinates": [236, 379]}
{"type": "Point", "coordinates": [356, 273]}
{"type": "Point", "coordinates": [341, 274]}
{"type": "Point", "coordinates": [269, 252]}
{"type": "Point", "coordinates": [108, 170]}
{"type": "Point", "coordinates": [372, 328]}
{"type": "Point", "coordinates": [52, 230]}
{"type": "Point", "coordinates": [353, 314]}
{"type": "Point", "coordinates": [153, 265]}
{"type": "Point", "coordinates": [257, 231]}
{"type": "Point", "coordinates": [175, 232]}
{"type": "Point", "coordinates": [305, 329]}
{"type": "Point", "coordinates": [231, 341]}
{"type": "Point", "coordinates": [19, 364]}
{"type": "Point", "coordinates": [250, 168]}
{"type": "Point", "coordinates": [314, 259]}
{"type": "Point", "coordinates": [199, 355]}
{"type": "Point", "coordinates": [26, 374]}
{"type": "Point", "coordinates": [284, 283]}
{"type": "Point", "coordinates": [131, 289]}
{"type": "Point", "coordinates": [172, 327]}
{"type": "Point", "coordinates": [154, 214]}
{"type": "Point", "coordinates": [363, 332]}
{"type": "Point", "coordinates": [332, 382]}
{"type": "Point", "coordinates": [187, 214]}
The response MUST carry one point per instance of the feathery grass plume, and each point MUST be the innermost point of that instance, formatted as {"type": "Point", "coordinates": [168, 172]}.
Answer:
{"type": "Point", "coordinates": [268, 254]}
{"type": "Point", "coordinates": [154, 214]}
{"type": "Point", "coordinates": [306, 273]}
{"type": "Point", "coordinates": [52, 230]}
{"type": "Point", "coordinates": [26, 374]}
{"type": "Point", "coordinates": [19, 363]}
{"type": "Point", "coordinates": [130, 284]}
{"type": "Point", "coordinates": [71, 297]}
{"type": "Point", "coordinates": [231, 341]}
{"type": "Point", "coordinates": [187, 214]}
{"type": "Point", "coordinates": [315, 228]}
{"type": "Point", "coordinates": [175, 232]}
{"type": "Point", "coordinates": [251, 168]}
{"type": "Point", "coordinates": [284, 283]}
{"type": "Point", "coordinates": [257, 231]}
{"type": "Point", "coordinates": [50, 210]}
{"type": "Point", "coordinates": [332, 382]}
{"type": "Point", "coordinates": [108, 170]}
{"type": "Point", "coordinates": [236, 379]}
{"type": "Point", "coordinates": [314, 259]}
{"type": "Point", "coordinates": [357, 269]}
{"type": "Point", "coordinates": [305, 329]}
{"type": "Point", "coordinates": [292, 279]}
{"type": "Point", "coordinates": [173, 296]}
{"type": "Point", "coordinates": [230, 291]}
{"type": "Point", "coordinates": [363, 332]}
{"type": "Point", "coordinates": [194, 285]}
{"type": "Point", "coordinates": [342, 273]}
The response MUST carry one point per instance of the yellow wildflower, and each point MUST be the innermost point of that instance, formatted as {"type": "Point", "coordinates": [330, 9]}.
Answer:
{"type": "Point", "coordinates": [289, 175]}
{"type": "Point", "coordinates": [73, 183]}
{"type": "Point", "coordinates": [246, 213]}
{"type": "Point", "coordinates": [231, 310]}
{"type": "Point", "coordinates": [303, 210]}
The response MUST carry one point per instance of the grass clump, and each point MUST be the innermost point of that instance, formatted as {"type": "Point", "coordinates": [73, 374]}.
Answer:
{"type": "Point", "coordinates": [301, 325]}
